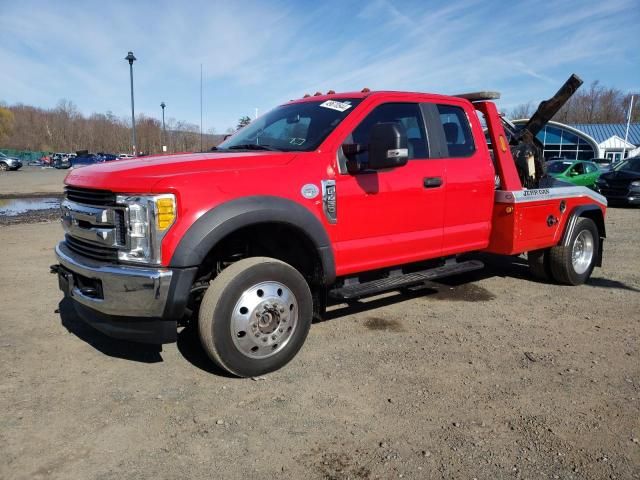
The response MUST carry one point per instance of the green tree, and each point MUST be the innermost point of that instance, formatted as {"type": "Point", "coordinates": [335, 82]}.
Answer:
{"type": "Point", "coordinates": [6, 123]}
{"type": "Point", "coordinates": [243, 122]}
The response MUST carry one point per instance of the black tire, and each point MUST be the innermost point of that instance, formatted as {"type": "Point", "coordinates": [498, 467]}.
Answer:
{"type": "Point", "coordinates": [560, 257]}
{"type": "Point", "coordinates": [539, 265]}
{"type": "Point", "coordinates": [218, 308]}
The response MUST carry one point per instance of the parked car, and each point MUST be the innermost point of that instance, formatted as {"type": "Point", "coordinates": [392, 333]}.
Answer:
{"type": "Point", "coordinates": [9, 163]}
{"type": "Point", "coordinates": [622, 183]}
{"type": "Point", "coordinates": [60, 160]}
{"type": "Point", "coordinates": [83, 159]}
{"type": "Point", "coordinates": [107, 157]}
{"type": "Point", "coordinates": [578, 172]}
{"type": "Point", "coordinates": [124, 156]}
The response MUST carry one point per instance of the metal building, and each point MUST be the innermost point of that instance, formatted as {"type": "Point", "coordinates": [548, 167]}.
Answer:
{"type": "Point", "coordinates": [586, 141]}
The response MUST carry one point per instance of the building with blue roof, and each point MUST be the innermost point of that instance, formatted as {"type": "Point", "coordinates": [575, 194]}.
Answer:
{"type": "Point", "coordinates": [585, 141]}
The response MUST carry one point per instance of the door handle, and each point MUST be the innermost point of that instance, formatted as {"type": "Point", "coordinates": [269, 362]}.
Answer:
{"type": "Point", "coordinates": [432, 182]}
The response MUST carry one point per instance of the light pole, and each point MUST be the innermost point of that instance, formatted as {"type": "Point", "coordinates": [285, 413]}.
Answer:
{"type": "Point", "coordinates": [132, 59]}
{"type": "Point", "coordinates": [164, 131]}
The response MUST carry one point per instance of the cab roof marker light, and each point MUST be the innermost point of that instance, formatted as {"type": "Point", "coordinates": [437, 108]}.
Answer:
{"type": "Point", "coordinates": [317, 94]}
{"type": "Point", "coordinates": [306, 95]}
{"type": "Point", "coordinates": [365, 90]}
{"type": "Point", "coordinates": [331, 92]}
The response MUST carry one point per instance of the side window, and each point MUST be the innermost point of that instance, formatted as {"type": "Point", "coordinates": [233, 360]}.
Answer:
{"type": "Point", "coordinates": [578, 168]}
{"type": "Point", "coordinates": [591, 167]}
{"type": "Point", "coordinates": [407, 114]}
{"type": "Point", "coordinates": [456, 131]}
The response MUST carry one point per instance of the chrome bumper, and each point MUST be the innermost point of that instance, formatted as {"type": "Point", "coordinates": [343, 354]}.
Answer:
{"type": "Point", "coordinates": [125, 291]}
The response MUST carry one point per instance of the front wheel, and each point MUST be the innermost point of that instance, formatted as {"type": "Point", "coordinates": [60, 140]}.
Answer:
{"type": "Point", "coordinates": [573, 264]}
{"type": "Point", "coordinates": [3, 167]}
{"type": "Point", "coordinates": [255, 316]}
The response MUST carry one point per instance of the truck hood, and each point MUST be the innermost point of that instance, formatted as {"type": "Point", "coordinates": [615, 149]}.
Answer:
{"type": "Point", "coordinates": [143, 173]}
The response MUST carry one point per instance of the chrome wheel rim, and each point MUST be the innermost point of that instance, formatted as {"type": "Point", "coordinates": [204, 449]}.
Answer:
{"type": "Point", "coordinates": [264, 319]}
{"type": "Point", "coordinates": [582, 252]}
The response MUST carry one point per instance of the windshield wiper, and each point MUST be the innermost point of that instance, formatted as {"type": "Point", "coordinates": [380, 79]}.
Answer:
{"type": "Point", "coordinates": [252, 146]}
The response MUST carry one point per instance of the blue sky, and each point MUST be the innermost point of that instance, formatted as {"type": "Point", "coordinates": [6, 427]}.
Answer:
{"type": "Point", "coordinates": [260, 54]}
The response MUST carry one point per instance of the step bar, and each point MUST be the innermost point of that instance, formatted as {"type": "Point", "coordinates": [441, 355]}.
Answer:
{"type": "Point", "coordinates": [394, 282]}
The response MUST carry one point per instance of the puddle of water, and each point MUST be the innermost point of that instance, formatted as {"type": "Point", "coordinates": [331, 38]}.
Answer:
{"type": "Point", "coordinates": [377, 323]}
{"type": "Point", "coordinates": [17, 206]}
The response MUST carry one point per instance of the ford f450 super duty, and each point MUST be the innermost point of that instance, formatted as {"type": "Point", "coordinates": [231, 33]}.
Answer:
{"type": "Point", "coordinates": [328, 198]}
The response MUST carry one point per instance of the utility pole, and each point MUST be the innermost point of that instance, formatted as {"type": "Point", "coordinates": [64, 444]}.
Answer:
{"type": "Point", "coordinates": [132, 59]}
{"type": "Point", "coordinates": [164, 130]}
{"type": "Point", "coordinates": [626, 133]}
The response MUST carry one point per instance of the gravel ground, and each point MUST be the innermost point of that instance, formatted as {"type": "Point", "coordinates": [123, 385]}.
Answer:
{"type": "Point", "coordinates": [490, 375]}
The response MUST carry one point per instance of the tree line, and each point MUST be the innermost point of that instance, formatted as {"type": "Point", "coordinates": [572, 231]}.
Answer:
{"type": "Point", "coordinates": [595, 104]}
{"type": "Point", "coordinates": [65, 129]}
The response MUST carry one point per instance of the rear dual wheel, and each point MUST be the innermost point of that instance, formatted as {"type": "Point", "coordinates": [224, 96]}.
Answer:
{"type": "Point", "coordinates": [255, 316]}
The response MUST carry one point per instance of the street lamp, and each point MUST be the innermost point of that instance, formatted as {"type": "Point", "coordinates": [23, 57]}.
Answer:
{"type": "Point", "coordinates": [130, 58]}
{"type": "Point", "coordinates": [164, 131]}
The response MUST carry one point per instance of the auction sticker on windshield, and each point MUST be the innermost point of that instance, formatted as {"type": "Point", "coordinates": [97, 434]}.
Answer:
{"type": "Point", "coordinates": [333, 105]}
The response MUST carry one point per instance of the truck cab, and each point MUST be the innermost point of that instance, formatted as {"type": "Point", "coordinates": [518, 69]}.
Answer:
{"type": "Point", "coordinates": [327, 198]}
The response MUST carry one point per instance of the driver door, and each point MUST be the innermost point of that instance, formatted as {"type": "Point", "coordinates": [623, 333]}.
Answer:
{"type": "Point", "coordinates": [392, 216]}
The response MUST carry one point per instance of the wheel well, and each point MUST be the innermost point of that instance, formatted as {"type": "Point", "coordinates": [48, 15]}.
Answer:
{"type": "Point", "coordinates": [597, 217]}
{"type": "Point", "coordinates": [270, 239]}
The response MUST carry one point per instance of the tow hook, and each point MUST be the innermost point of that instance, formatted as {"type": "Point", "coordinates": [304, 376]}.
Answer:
{"type": "Point", "coordinates": [551, 220]}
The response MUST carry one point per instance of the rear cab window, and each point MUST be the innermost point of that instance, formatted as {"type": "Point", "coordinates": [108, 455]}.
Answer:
{"type": "Point", "coordinates": [457, 131]}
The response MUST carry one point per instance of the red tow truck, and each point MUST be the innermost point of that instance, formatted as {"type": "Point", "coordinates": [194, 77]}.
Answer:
{"type": "Point", "coordinates": [327, 198]}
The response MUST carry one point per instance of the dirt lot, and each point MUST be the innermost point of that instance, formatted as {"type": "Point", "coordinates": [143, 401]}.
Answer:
{"type": "Point", "coordinates": [489, 376]}
{"type": "Point", "coordinates": [31, 181]}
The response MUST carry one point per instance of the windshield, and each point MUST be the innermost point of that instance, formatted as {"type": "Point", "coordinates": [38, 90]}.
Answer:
{"type": "Point", "coordinates": [558, 166]}
{"type": "Point", "coordinates": [2, 155]}
{"type": "Point", "coordinates": [299, 127]}
{"type": "Point", "coordinates": [630, 165]}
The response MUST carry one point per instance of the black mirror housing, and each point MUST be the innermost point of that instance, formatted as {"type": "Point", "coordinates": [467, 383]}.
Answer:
{"type": "Point", "coordinates": [388, 147]}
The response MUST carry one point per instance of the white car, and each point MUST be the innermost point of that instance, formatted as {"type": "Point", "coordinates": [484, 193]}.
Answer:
{"type": "Point", "coordinates": [125, 155]}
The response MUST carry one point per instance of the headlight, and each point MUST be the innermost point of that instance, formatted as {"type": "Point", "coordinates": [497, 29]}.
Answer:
{"type": "Point", "coordinates": [147, 220]}
{"type": "Point", "coordinates": [601, 181]}
{"type": "Point", "coordinates": [635, 184]}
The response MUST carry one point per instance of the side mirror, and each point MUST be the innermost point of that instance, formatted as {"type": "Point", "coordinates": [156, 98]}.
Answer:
{"type": "Point", "coordinates": [388, 146]}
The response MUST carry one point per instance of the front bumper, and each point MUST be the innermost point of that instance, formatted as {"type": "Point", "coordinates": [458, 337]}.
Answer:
{"type": "Point", "coordinates": [133, 303]}
{"type": "Point", "coordinates": [630, 196]}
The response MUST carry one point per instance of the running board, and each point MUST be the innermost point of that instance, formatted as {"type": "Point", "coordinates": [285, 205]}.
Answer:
{"type": "Point", "coordinates": [355, 291]}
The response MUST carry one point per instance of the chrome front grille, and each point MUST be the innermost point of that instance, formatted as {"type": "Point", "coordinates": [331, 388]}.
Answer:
{"type": "Point", "coordinates": [91, 250]}
{"type": "Point", "coordinates": [94, 226]}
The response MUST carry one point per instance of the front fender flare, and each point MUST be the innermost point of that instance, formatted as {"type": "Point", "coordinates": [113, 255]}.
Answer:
{"type": "Point", "coordinates": [224, 219]}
